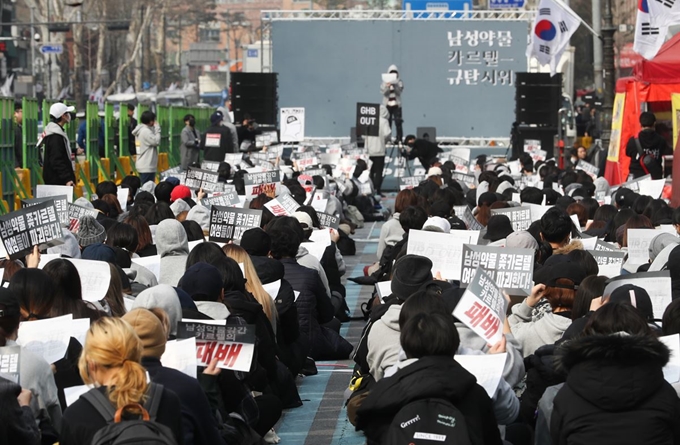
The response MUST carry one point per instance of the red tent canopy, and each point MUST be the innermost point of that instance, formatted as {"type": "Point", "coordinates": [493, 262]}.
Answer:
{"type": "Point", "coordinates": [664, 67]}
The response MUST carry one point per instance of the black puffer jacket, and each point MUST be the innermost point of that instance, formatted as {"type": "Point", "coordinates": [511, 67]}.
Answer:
{"type": "Point", "coordinates": [615, 393]}
{"type": "Point", "coordinates": [292, 346]}
{"type": "Point", "coordinates": [429, 377]}
{"type": "Point", "coordinates": [315, 309]}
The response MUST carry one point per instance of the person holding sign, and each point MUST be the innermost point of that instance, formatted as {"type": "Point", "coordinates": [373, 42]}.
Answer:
{"type": "Point", "coordinates": [58, 166]}
{"type": "Point", "coordinates": [391, 89]}
{"type": "Point", "coordinates": [148, 138]}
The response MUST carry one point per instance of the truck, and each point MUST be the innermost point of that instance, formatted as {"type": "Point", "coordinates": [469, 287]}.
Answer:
{"type": "Point", "coordinates": [212, 88]}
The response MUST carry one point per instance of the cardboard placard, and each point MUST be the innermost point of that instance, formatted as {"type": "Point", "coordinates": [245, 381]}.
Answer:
{"type": "Point", "coordinates": [609, 262]}
{"type": "Point", "coordinates": [212, 166]}
{"type": "Point", "coordinates": [633, 185]}
{"type": "Point", "coordinates": [589, 168]}
{"type": "Point", "coordinates": [263, 182]}
{"type": "Point", "coordinates": [227, 223]}
{"type": "Point", "coordinates": [482, 307]}
{"type": "Point", "coordinates": [9, 363]}
{"type": "Point", "coordinates": [603, 246]}
{"type": "Point", "coordinates": [467, 179]}
{"type": "Point", "coordinates": [445, 250]}
{"type": "Point", "coordinates": [327, 220]}
{"type": "Point", "coordinates": [75, 212]}
{"type": "Point", "coordinates": [284, 205]}
{"type": "Point", "coordinates": [368, 119]}
{"type": "Point", "coordinates": [409, 182]}
{"type": "Point", "coordinates": [47, 191]}
{"type": "Point", "coordinates": [47, 338]}
{"type": "Point", "coordinates": [232, 345]}
{"type": "Point", "coordinates": [32, 226]}
{"type": "Point", "coordinates": [60, 203]}
{"type": "Point", "coordinates": [292, 124]}
{"type": "Point", "coordinates": [638, 245]}
{"type": "Point", "coordinates": [181, 355]}
{"type": "Point", "coordinates": [511, 268]}
{"type": "Point", "coordinates": [203, 179]}
{"type": "Point", "coordinates": [465, 214]}
{"type": "Point", "coordinates": [226, 199]}
{"type": "Point", "coordinates": [657, 285]}
{"type": "Point", "coordinates": [520, 217]}
{"type": "Point", "coordinates": [95, 278]}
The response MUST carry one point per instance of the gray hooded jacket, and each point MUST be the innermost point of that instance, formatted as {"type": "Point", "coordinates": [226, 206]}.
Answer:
{"type": "Point", "coordinates": [173, 247]}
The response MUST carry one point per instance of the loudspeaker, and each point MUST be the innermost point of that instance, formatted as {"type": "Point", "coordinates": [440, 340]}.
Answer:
{"type": "Point", "coordinates": [255, 94]}
{"type": "Point", "coordinates": [428, 133]}
{"type": "Point", "coordinates": [538, 97]}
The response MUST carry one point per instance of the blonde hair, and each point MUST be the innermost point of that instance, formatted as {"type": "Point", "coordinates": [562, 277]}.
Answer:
{"type": "Point", "coordinates": [112, 343]}
{"type": "Point", "coordinates": [253, 283]}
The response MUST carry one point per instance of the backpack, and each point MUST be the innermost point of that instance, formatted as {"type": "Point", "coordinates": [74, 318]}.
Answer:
{"type": "Point", "coordinates": [354, 215]}
{"type": "Point", "coordinates": [428, 421]}
{"type": "Point", "coordinates": [118, 431]}
{"type": "Point", "coordinates": [648, 162]}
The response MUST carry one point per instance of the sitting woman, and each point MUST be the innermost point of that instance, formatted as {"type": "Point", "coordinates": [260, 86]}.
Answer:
{"type": "Point", "coordinates": [111, 361]}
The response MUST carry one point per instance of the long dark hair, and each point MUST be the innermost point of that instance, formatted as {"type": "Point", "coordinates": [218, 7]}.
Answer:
{"type": "Point", "coordinates": [68, 297]}
{"type": "Point", "coordinates": [35, 290]}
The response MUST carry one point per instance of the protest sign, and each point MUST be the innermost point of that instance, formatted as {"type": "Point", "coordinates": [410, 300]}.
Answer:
{"type": "Point", "coordinates": [233, 346]}
{"type": "Point", "coordinates": [264, 182]}
{"type": "Point", "coordinates": [589, 168]}
{"type": "Point", "coordinates": [181, 355]}
{"type": "Point", "coordinates": [445, 250]}
{"type": "Point", "coordinates": [589, 242]}
{"type": "Point", "coordinates": [633, 185]}
{"type": "Point", "coordinates": [321, 236]}
{"type": "Point", "coordinates": [487, 369]}
{"type": "Point", "coordinates": [79, 328]}
{"type": "Point", "coordinates": [327, 220]}
{"type": "Point", "coordinates": [153, 263]}
{"type": "Point", "coordinates": [603, 246]}
{"type": "Point", "coordinates": [9, 363]}
{"type": "Point", "coordinates": [638, 245]}
{"type": "Point", "coordinates": [175, 171]}
{"type": "Point", "coordinates": [226, 199]}
{"type": "Point", "coordinates": [47, 338]}
{"type": "Point", "coordinates": [657, 285]}
{"type": "Point", "coordinates": [465, 214]}
{"type": "Point", "coordinates": [539, 155]}
{"type": "Point", "coordinates": [233, 159]}
{"type": "Point", "coordinates": [461, 159]}
{"type": "Point", "coordinates": [537, 211]}
{"type": "Point", "coordinates": [75, 213]}
{"type": "Point", "coordinates": [95, 278]}
{"type": "Point", "coordinates": [467, 179]}
{"type": "Point", "coordinates": [267, 138]}
{"type": "Point", "coordinates": [284, 205]}
{"type": "Point", "coordinates": [122, 194]}
{"type": "Point", "coordinates": [227, 223]}
{"type": "Point", "coordinates": [531, 145]}
{"type": "Point", "coordinates": [520, 217]}
{"type": "Point", "coordinates": [272, 288]}
{"type": "Point", "coordinates": [368, 120]}
{"type": "Point", "coordinates": [292, 124]}
{"type": "Point", "coordinates": [315, 249]}
{"type": "Point", "coordinates": [203, 179]}
{"type": "Point", "coordinates": [212, 166]}
{"type": "Point", "coordinates": [671, 372]}
{"type": "Point", "coordinates": [47, 191]}
{"type": "Point", "coordinates": [511, 268]}
{"type": "Point", "coordinates": [60, 203]}
{"type": "Point", "coordinates": [609, 262]}
{"type": "Point", "coordinates": [652, 187]}
{"type": "Point", "coordinates": [36, 225]}
{"type": "Point", "coordinates": [384, 289]}
{"type": "Point", "coordinates": [482, 307]}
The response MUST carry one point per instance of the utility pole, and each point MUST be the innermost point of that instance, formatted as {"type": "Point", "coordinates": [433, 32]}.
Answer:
{"type": "Point", "coordinates": [597, 44]}
{"type": "Point", "coordinates": [32, 47]}
{"type": "Point", "coordinates": [608, 31]}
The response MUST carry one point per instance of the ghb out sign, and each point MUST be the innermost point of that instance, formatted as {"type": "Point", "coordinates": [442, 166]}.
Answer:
{"type": "Point", "coordinates": [368, 119]}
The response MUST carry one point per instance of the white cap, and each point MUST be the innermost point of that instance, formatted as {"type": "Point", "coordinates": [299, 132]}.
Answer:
{"type": "Point", "coordinates": [434, 171]}
{"type": "Point", "coordinates": [304, 218]}
{"type": "Point", "coordinates": [437, 224]}
{"type": "Point", "coordinates": [57, 110]}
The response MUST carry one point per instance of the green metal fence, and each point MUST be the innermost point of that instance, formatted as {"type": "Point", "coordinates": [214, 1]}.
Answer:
{"type": "Point", "coordinates": [7, 158]}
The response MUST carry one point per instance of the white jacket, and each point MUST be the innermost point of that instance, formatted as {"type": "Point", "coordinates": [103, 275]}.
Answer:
{"type": "Point", "coordinates": [375, 145]}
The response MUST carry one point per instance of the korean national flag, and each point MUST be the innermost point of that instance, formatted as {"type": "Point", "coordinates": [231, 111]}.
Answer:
{"type": "Point", "coordinates": [554, 25]}
{"type": "Point", "coordinates": [651, 26]}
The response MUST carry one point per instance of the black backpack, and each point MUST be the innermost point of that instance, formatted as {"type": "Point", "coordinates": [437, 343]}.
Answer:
{"type": "Point", "coordinates": [118, 431]}
{"type": "Point", "coordinates": [428, 421]}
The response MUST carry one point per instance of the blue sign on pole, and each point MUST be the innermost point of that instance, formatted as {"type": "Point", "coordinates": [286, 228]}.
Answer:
{"type": "Point", "coordinates": [52, 49]}
{"type": "Point", "coordinates": [500, 4]}
{"type": "Point", "coordinates": [252, 53]}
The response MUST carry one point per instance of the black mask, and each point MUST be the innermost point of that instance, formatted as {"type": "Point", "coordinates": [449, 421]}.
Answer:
{"type": "Point", "coordinates": [192, 122]}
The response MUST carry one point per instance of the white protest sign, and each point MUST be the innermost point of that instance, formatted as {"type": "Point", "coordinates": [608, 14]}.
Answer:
{"type": "Point", "coordinates": [153, 263]}
{"type": "Point", "coordinates": [314, 249]}
{"type": "Point", "coordinates": [445, 250]}
{"type": "Point", "coordinates": [482, 307]}
{"type": "Point", "coordinates": [45, 191]}
{"type": "Point", "coordinates": [520, 217]}
{"type": "Point", "coordinates": [320, 204]}
{"type": "Point", "coordinates": [47, 338]}
{"type": "Point", "coordinates": [122, 196]}
{"type": "Point", "coordinates": [574, 219]}
{"type": "Point", "coordinates": [511, 268]}
{"type": "Point", "coordinates": [667, 228]}
{"type": "Point", "coordinates": [657, 285]}
{"type": "Point", "coordinates": [590, 169]}
{"type": "Point", "coordinates": [73, 393]}
{"type": "Point", "coordinates": [46, 258]}
{"type": "Point", "coordinates": [589, 243]}
{"type": "Point", "coordinates": [79, 328]}
{"type": "Point", "coordinates": [181, 355]}
{"type": "Point", "coordinates": [272, 288]}
{"type": "Point", "coordinates": [95, 278]}
{"type": "Point", "coordinates": [284, 205]}
{"type": "Point", "coordinates": [232, 345]}
{"type": "Point", "coordinates": [292, 124]}
{"type": "Point", "coordinates": [652, 187]}
{"type": "Point", "coordinates": [609, 263]}
{"type": "Point", "coordinates": [384, 289]}
{"type": "Point", "coordinates": [671, 372]}
{"type": "Point", "coordinates": [638, 245]}
{"type": "Point", "coordinates": [487, 369]}
{"type": "Point", "coordinates": [322, 236]}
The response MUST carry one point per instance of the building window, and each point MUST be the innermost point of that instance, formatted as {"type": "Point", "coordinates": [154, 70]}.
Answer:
{"type": "Point", "coordinates": [209, 32]}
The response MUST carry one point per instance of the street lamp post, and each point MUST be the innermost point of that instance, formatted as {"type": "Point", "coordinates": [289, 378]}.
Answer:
{"type": "Point", "coordinates": [608, 30]}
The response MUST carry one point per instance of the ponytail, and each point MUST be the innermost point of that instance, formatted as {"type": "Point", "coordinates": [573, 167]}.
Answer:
{"type": "Point", "coordinates": [130, 385]}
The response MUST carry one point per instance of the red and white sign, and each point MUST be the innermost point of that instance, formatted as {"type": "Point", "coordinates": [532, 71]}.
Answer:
{"type": "Point", "coordinates": [482, 307]}
{"type": "Point", "coordinates": [212, 139]}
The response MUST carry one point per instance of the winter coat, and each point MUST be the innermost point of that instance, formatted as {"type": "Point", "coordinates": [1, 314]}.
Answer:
{"type": "Point", "coordinates": [429, 377]}
{"type": "Point", "coordinates": [219, 144]}
{"type": "Point", "coordinates": [18, 424]}
{"type": "Point", "coordinates": [652, 144]}
{"type": "Point", "coordinates": [229, 124]}
{"type": "Point", "coordinates": [390, 234]}
{"type": "Point", "coordinates": [315, 309]}
{"type": "Point", "coordinates": [615, 393]}
{"type": "Point", "coordinates": [375, 145]}
{"type": "Point", "coordinates": [173, 247]}
{"type": "Point", "coordinates": [188, 147]}
{"type": "Point", "coordinates": [541, 374]}
{"type": "Point", "coordinates": [424, 150]}
{"type": "Point", "coordinates": [398, 88]}
{"type": "Point", "coordinates": [534, 334]}
{"type": "Point", "coordinates": [304, 258]}
{"type": "Point", "coordinates": [198, 423]}
{"type": "Point", "coordinates": [58, 168]}
{"type": "Point", "coordinates": [147, 140]}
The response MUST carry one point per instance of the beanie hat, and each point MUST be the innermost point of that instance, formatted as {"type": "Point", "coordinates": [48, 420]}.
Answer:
{"type": "Point", "coordinates": [202, 282]}
{"type": "Point", "coordinates": [201, 215]}
{"type": "Point", "coordinates": [499, 227]}
{"type": "Point", "coordinates": [180, 192]}
{"type": "Point", "coordinates": [173, 181]}
{"type": "Point", "coordinates": [100, 252]}
{"type": "Point", "coordinates": [256, 242]}
{"type": "Point", "coordinates": [70, 247]}
{"type": "Point", "coordinates": [150, 331]}
{"type": "Point", "coordinates": [409, 274]}
{"type": "Point", "coordinates": [90, 231]}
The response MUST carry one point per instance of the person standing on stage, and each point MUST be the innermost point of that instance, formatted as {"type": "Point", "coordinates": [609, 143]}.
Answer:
{"type": "Point", "coordinates": [391, 92]}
